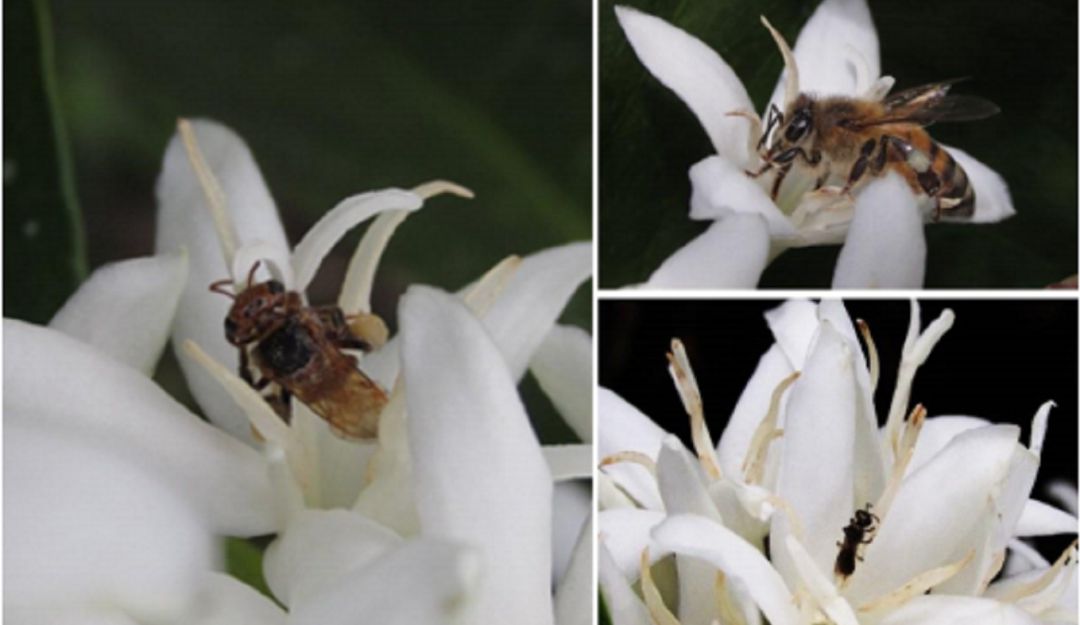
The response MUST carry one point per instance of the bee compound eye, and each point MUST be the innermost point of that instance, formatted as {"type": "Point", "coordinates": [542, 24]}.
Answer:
{"type": "Point", "coordinates": [230, 327]}
{"type": "Point", "coordinates": [276, 287]}
{"type": "Point", "coordinates": [797, 128]}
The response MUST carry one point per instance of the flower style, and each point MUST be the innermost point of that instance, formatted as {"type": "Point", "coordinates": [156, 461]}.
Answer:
{"type": "Point", "coordinates": [836, 53]}
{"type": "Point", "coordinates": [446, 517]}
{"type": "Point", "coordinates": [753, 522]}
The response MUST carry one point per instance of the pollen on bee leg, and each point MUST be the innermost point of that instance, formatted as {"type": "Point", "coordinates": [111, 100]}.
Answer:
{"type": "Point", "coordinates": [686, 384]}
{"type": "Point", "coordinates": [211, 188]}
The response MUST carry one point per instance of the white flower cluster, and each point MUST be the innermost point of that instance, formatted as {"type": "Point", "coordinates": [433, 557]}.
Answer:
{"type": "Point", "coordinates": [755, 522]}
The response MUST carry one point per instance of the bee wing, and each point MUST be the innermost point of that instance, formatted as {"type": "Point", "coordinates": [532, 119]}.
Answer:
{"type": "Point", "coordinates": [931, 103]}
{"type": "Point", "coordinates": [353, 407]}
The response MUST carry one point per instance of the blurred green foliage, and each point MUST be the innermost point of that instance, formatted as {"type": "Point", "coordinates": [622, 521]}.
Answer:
{"type": "Point", "coordinates": [42, 229]}
{"type": "Point", "coordinates": [1023, 59]}
{"type": "Point", "coordinates": [334, 98]}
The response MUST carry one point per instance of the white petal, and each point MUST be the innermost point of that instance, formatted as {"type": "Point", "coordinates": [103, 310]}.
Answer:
{"type": "Point", "coordinates": [731, 254]}
{"type": "Point", "coordinates": [992, 199]}
{"type": "Point", "coordinates": [945, 505]}
{"type": "Point", "coordinates": [936, 433]}
{"type": "Point", "coordinates": [339, 466]}
{"type": "Point", "coordinates": [425, 581]}
{"type": "Point", "coordinates": [625, 533]}
{"type": "Point", "coordinates": [569, 462]}
{"type": "Point", "coordinates": [836, 51]}
{"type": "Point", "coordinates": [1040, 519]}
{"type": "Point", "coordinates": [227, 480]}
{"type": "Point", "coordinates": [184, 221]}
{"type": "Point", "coordinates": [885, 247]}
{"type": "Point", "coordinates": [65, 615]}
{"type": "Point", "coordinates": [574, 595]}
{"type": "Point", "coordinates": [571, 509]}
{"type": "Point", "coordinates": [721, 188]}
{"type": "Point", "coordinates": [681, 481]}
{"type": "Point", "coordinates": [335, 224]}
{"type": "Point", "coordinates": [562, 366]}
{"type": "Point", "coordinates": [950, 610]}
{"type": "Point", "coordinates": [696, 74]}
{"type": "Point", "coordinates": [532, 301]}
{"type": "Point", "coordinates": [818, 462]}
{"type": "Point", "coordinates": [701, 538]}
{"type": "Point", "coordinates": [621, 428]}
{"type": "Point", "coordinates": [478, 472]}
{"type": "Point", "coordinates": [126, 309]}
{"type": "Point", "coordinates": [319, 547]}
{"type": "Point", "coordinates": [226, 601]}
{"type": "Point", "coordinates": [793, 325]}
{"type": "Point", "coordinates": [388, 499]}
{"type": "Point", "coordinates": [623, 604]}
{"type": "Point", "coordinates": [85, 526]}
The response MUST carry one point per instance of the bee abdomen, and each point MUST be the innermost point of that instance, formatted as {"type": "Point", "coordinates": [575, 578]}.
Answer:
{"type": "Point", "coordinates": [956, 196]}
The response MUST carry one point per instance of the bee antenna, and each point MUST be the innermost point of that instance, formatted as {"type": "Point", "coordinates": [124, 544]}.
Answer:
{"type": "Point", "coordinates": [251, 274]}
{"type": "Point", "coordinates": [219, 287]}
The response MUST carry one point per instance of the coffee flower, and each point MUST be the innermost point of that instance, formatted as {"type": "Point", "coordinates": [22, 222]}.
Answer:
{"type": "Point", "coordinates": [753, 522]}
{"type": "Point", "coordinates": [836, 53]}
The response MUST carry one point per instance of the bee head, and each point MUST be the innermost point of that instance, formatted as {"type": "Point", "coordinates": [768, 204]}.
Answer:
{"type": "Point", "coordinates": [255, 311]}
{"type": "Point", "coordinates": [795, 127]}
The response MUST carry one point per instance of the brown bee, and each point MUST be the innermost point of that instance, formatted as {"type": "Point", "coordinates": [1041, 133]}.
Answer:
{"type": "Point", "coordinates": [843, 138]}
{"type": "Point", "coordinates": [859, 531]}
{"type": "Point", "coordinates": [297, 349]}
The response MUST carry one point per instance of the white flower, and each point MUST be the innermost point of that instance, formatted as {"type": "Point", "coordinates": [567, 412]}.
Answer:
{"type": "Point", "coordinates": [113, 490]}
{"type": "Point", "coordinates": [801, 453]}
{"type": "Point", "coordinates": [456, 465]}
{"type": "Point", "coordinates": [117, 494]}
{"type": "Point", "coordinates": [836, 54]}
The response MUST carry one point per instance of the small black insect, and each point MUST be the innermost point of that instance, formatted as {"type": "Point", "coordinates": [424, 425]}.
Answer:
{"type": "Point", "coordinates": [859, 531]}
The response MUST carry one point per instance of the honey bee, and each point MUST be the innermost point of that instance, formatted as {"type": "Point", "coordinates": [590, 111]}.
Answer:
{"type": "Point", "coordinates": [859, 531]}
{"type": "Point", "coordinates": [844, 138]}
{"type": "Point", "coordinates": [296, 351]}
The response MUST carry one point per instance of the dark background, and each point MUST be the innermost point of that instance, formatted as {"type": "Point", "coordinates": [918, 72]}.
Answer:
{"type": "Point", "coordinates": [1000, 361]}
{"type": "Point", "coordinates": [333, 99]}
{"type": "Point", "coordinates": [1020, 56]}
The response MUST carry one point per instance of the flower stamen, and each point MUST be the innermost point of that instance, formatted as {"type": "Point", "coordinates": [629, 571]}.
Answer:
{"type": "Point", "coordinates": [871, 353]}
{"type": "Point", "coordinates": [686, 384]}
{"type": "Point", "coordinates": [754, 465]}
{"type": "Point", "coordinates": [660, 613]}
{"type": "Point", "coordinates": [917, 348]}
{"type": "Point", "coordinates": [917, 585]}
{"type": "Point", "coordinates": [726, 607]}
{"type": "Point", "coordinates": [901, 460]}
{"type": "Point", "coordinates": [791, 88]}
{"type": "Point", "coordinates": [211, 188]}
{"type": "Point", "coordinates": [633, 457]}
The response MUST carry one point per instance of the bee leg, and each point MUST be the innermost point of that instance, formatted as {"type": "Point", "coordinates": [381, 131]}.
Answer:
{"type": "Point", "coordinates": [279, 401]}
{"type": "Point", "coordinates": [764, 168]}
{"type": "Point", "coordinates": [780, 175]}
{"type": "Point", "coordinates": [860, 165]}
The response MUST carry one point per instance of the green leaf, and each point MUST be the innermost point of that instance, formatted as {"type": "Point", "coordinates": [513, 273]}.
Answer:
{"type": "Point", "coordinates": [42, 232]}
{"type": "Point", "coordinates": [243, 560]}
{"type": "Point", "coordinates": [649, 138]}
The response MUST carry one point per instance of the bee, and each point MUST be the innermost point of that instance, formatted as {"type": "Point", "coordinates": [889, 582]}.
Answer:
{"type": "Point", "coordinates": [859, 531]}
{"type": "Point", "coordinates": [296, 351]}
{"type": "Point", "coordinates": [844, 138]}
